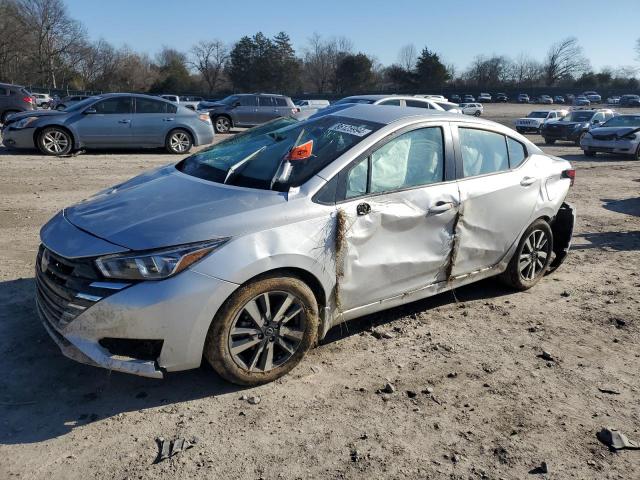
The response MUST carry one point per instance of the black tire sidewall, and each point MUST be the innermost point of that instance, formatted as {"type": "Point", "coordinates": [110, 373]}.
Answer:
{"type": "Point", "coordinates": [54, 129]}
{"type": "Point", "coordinates": [512, 276]}
{"type": "Point", "coordinates": [215, 124]}
{"type": "Point", "coordinates": [168, 141]}
{"type": "Point", "coordinates": [216, 348]}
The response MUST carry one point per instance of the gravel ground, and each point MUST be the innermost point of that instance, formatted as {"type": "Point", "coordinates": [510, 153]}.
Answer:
{"type": "Point", "coordinates": [472, 397]}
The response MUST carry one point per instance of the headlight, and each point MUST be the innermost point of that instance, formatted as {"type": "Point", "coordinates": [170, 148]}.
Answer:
{"type": "Point", "coordinates": [24, 123]}
{"type": "Point", "coordinates": [158, 264]}
{"type": "Point", "coordinates": [631, 136]}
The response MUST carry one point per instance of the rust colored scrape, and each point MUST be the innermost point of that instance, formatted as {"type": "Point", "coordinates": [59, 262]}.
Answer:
{"type": "Point", "coordinates": [340, 248]}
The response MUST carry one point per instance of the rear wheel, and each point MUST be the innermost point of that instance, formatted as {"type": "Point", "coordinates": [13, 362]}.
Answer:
{"type": "Point", "coordinates": [179, 141]}
{"type": "Point", "coordinates": [5, 115]}
{"type": "Point", "coordinates": [60, 107]}
{"type": "Point", "coordinates": [54, 141]}
{"type": "Point", "coordinates": [532, 257]}
{"type": "Point", "coordinates": [580, 137]}
{"type": "Point", "coordinates": [222, 124]}
{"type": "Point", "coordinates": [262, 331]}
{"type": "Point", "coordinates": [477, 114]}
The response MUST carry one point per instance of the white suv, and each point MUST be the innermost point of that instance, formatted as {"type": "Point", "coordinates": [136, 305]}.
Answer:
{"type": "Point", "coordinates": [533, 121]}
{"type": "Point", "coordinates": [474, 109]}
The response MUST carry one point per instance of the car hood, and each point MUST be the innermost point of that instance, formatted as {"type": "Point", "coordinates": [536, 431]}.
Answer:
{"type": "Point", "coordinates": [166, 207]}
{"type": "Point", "coordinates": [35, 113]}
{"type": "Point", "coordinates": [617, 131]}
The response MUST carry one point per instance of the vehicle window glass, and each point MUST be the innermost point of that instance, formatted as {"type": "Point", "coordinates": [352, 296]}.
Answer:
{"type": "Point", "coordinates": [3, 91]}
{"type": "Point", "coordinates": [417, 104]}
{"type": "Point", "coordinates": [248, 101]}
{"type": "Point", "coordinates": [391, 102]}
{"type": "Point", "coordinates": [517, 152]}
{"type": "Point", "coordinates": [266, 101]}
{"type": "Point", "coordinates": [357, 179]}
{"type": "Point", "coordinates": [171, 108]}
{"type": "Point", "coordinates": [146, 105]}
{"type": "Point", "coordinates": [280, 102]}
{"type": "Point", "coordinates": [114, 105]}
{"type": "Point", "coordinates": [414, 158]}
{"type": "Point", "coordinates": [599, 117]}
{"type": "Point", "coordinates": [482, 152]}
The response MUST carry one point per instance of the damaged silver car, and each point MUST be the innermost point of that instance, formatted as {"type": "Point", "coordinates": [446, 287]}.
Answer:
{"type": "Point", "coordinates": [248, 252]}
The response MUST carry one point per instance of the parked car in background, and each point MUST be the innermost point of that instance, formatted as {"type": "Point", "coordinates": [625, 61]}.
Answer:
{"type": "Point", "coordinates": [468, 99]}
{"type": "Point", "coordinates": [544, 100]}
{"type": "Point", "coordinates": [620, 134]}
{"type": "Point", "coordinates": [64, 102]}
{"type": "Point", "coordinates": [523, 98]}
{"type": "Point", "coordinates": [629, 101]}
{"type": "Point", "coordinates": [569, 97]}
{"type": "Point", "coordinates": [455, 98]}
{"type": "Point", "coordinates": [249, 110]}
{"type": "Point", "coordinates": [501, 98]}
{"type": "Point", "coordinates": [449, 106]}
{"type": "Point", "coordinates": [218, 257]}
{"type": "Point", "coordinates": [392, 100]}
{"type": "Point", "coordinates": [43, 100]}
{"type": "Point", "coordinates": [533, 121]}
{"type": "Point", "coordinates": [574, 125]}
{"type": "Point", "coordinates": [613, 100]}
{"type": "Point", "coordinates": [558, 99]}
{"type": "Point", "coordinates": [484, 97]}
{"type": "Point", "coordinates": [311, 104]}
{"type": "Point", "coordinates": [440, 98]}
{"type": "Point", "coordinates": [593, 97]}
{"type": "Point", "coordinates": [14, 99]}
{"type": "Point", "coordinates": [581, 101]}
{"type": "Point", "coordinates": [474, 109]}
{"type": "Point", "coordinates": [189, 101]}
{"type": "Point", "coordinates": [116, 120]}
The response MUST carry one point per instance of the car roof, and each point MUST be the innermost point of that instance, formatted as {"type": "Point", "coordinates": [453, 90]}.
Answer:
{"type": "Point", "coordinates": [387, 114]}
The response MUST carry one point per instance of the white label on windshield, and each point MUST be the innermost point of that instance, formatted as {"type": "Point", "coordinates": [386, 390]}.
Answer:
{"type": "Point", "coordinates": [350, 129]}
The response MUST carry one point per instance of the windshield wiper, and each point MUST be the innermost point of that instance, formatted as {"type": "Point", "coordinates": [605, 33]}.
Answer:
{"type": "Point", "coordinates": [244, 161]}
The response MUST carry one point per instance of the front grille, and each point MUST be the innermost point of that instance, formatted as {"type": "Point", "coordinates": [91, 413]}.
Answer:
{"type": "Point", "coordinates": [605, 137]}
{"type": "Point", "coordinates": [64, 288]}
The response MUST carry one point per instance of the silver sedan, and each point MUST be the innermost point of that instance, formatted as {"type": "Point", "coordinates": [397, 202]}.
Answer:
{"type": "Point", "coordinates": [247, 253]}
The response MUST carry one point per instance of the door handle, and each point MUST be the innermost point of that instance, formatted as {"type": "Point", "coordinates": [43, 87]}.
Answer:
{"type": "Point", "coordinates": [526, 181]}
{"type": "Point", "coordinates": [124, 121]}
{"type": "Point", "coordinates": [168, 119]}
{"type": "Point", "coordinates": [363, 209]}
{"type": "Point", "coordinates": [440, 207]}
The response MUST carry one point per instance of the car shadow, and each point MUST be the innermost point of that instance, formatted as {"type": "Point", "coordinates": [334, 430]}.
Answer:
{"type": "Point", "coordinates": [617, 241]}
{"type": "Point", "coordinates": [44, 395]}
{"type": "Point", "coordinates": [628, 206]}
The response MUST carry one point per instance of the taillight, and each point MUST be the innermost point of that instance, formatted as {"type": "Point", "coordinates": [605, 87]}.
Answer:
{"type": "Point", "coordinates": [570, 174]}
{"type": "Point", "coordinates": [295, 110]}
{"type": "Point", "coordinates": [27, 100]}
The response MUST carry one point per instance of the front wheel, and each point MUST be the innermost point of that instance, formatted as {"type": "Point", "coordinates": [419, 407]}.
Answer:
{"type": "Point", "coordinates": [589, 153]}
{"type": "Point", "coordinates": [580, 137]}
{"type": "Point", "coordinates": [55, 141]}
{"type": "Point", "coordinates": [222, 124]}
{"type": "Point", "coordinates": [262, 331]}
{"type": "Point", "coordinates": [179, 141]}
{"type": "Point", "coordinates": [549, 141]}
{"type": "Point", "coordinates": [532, 257]}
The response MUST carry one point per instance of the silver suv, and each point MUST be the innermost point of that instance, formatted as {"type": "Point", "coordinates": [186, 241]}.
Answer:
{"type": "Point", "coordinates": [14, 99]}
{"type": "Point", "coordinates": [247, 110]}
{"type": "Point", "coordinates": [249, 252]}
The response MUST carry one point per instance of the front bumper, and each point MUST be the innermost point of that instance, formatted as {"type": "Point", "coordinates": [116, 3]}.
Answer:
{"type": "Point", "coordinates": [621, 146]}
{"type": "Point", "coordinates": [17, 138]}
{"type": "Point", "coordinates": [528, 127]}
{"type": "Point", "coordinates": [176, 311]}
{"type": "Point", "coordinates": [561, 134]}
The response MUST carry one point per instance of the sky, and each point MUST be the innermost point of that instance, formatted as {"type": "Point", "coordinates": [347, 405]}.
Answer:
{"type": "Point", "coordinates": [458, 30]}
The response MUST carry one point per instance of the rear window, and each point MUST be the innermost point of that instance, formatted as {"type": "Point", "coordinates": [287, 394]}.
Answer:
{"type": "Point", "coordinates": [538, 115]}
{"type": "Point", "coordinates": [624, 121]}
{"type": "Point", "coordinates": [354, 100]}
{"type": "Point", "coordinates": [257, 158]}
{"type": "Point", "coordinates": [280, 102]}
{"type": "Point", "coordinates": [583, 116]}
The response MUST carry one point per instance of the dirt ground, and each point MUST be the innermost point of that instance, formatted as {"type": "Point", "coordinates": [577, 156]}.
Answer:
{"type": "Point", "coordinates": [473, 399]}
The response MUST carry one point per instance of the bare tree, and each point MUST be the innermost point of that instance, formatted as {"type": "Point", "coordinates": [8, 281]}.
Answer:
{"type": "Point", "coordinates": [321, 60]}
{"type": "Point", "coordinates": [209, 58]}
{"type": "Point", "coordinates": [407, 57]}
{"type": "Point", "coordinates": [524, 70]}
{"type": "Point", "coordinates": [564, 59]}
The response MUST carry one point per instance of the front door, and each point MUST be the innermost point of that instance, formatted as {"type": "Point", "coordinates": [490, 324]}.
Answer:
{"type": "Point", "coordinates": [246, 113]}
{"type": "Point", "coordinates": [498, 194]}
{"type": "Point", "coordinates": [399, 215]}
{"type": "Point", "coordinates": [106, 123]}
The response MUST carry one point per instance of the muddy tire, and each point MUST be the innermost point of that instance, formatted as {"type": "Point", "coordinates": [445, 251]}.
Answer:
{"type": "Point", "coordinates": [55, 141]}
{"type": "Point", "coordinates": [532, 257]}
{"type": "Point", "coordinates": [262, 331]}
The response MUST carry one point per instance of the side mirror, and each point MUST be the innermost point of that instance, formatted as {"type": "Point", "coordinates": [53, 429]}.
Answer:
{"type": "Point", "coordinates": [89, 111]}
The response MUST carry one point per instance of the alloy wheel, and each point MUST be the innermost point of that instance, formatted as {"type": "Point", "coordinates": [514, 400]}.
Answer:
{"type": "Point", "coordinates": [180, 142]}
{"type": "Point", "coordinates": [267, 331]}
{"type": "Point", "coordinates": [223, 125]}
{"type": "Point", "coordinates": [55, 142]}
{"type": "Point", "coordinates": [534, 254]}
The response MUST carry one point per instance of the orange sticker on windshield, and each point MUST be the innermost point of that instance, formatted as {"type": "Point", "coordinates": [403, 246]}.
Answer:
{"type": "Point", "coordinates": [301, 152]}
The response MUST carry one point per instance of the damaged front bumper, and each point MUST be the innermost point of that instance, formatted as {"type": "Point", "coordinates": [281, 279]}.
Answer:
{"type": "Point", "coordinates": [621, 146]}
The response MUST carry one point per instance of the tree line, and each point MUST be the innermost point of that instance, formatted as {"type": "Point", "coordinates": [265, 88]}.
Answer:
{"type": "Point", "coordinates": [42, 45]}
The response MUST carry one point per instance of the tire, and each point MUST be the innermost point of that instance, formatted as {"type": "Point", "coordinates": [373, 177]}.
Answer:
{"type": "Point", "coordinates": [524, 273]}
{"type": "Point", "coordinates": [589, 153]}
{"type": "Point", "coordinates": [222, 124]}
{"type": "Point", "coordinates": [636, 156]}
{"type": "Point", "coordinates": [60, 107]}
{"type": "Point", "coordinates": [477, 113]}
{"type": "Point", "coordinates": [178, 141]}
{"type": "Point", "coordinates": [580, 137]}
{"type": "Point", "coordinates": [549, 141]}
{"type": "Point", "coordinates": [54, 141]}
{"type": "Point", "coordinates": [253, 365]}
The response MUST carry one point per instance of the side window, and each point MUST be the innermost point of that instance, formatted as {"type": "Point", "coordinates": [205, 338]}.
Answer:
{"type": "Point", "coordinates": [391, 102]}
{"type": "Point", "coordinates": [248, 101]}
{"type": "Point", "coordinates": [114, 105]}
{"type": "Point", "coordinates": [266, 101]}
{"type": "Point", "coordinates": [482, 152]}
{"type": "Point", "coordinates": [517, 152]}
{"type": "Point", "coordinates": [171, 108]}
{"type": "Point", "coordinates": [599, 117]}
{"type": "Point", "coordinates": [145, 105]}
{"type": "Point", "coordinates": [417, 104]}
{"type": "Point", "coordinates": [280, 102]}
{"type": "Point", "coordinates": [412, 159]}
